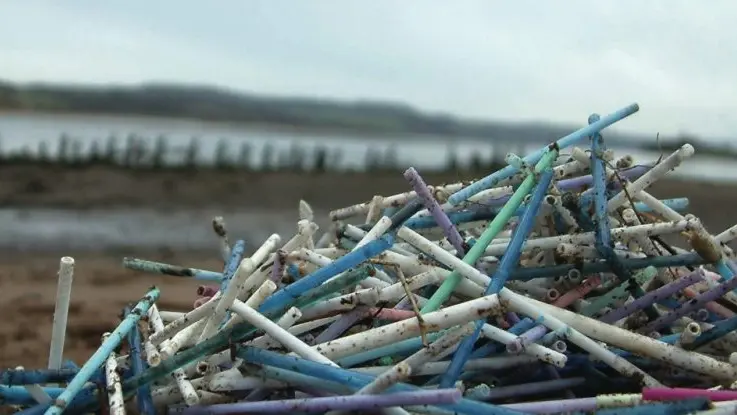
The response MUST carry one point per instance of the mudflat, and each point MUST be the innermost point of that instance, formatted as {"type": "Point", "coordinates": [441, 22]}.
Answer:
{"type": "Point", "coordinates": [102, 287]}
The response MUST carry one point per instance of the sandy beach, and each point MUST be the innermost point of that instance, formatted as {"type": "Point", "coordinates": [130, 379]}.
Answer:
{"type": "Point", "coordinates": [102, 287]}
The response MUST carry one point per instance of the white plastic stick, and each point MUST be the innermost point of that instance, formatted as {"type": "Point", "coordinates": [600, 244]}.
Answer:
{"type": "Point", "coordinates": [520, 304]}
{"type": "Point", "coordinates": [61, 312]}
{"type": "Point", "coordinates": [651, 176]}
{"type": "Point", "coordinates": [639, 344]}
{"type": "Point", "coordinates": [287, 339]}
{"type": "Point", "coordinates": [255, 301]}
{"type": "Point", "coordinates": [245, 269]}
{"type": "Point", "coordinates": [189, 393]}
{"type": "Point", "coordinates": [114, 387]}
{"type": "Point", "coordinates": [402, 330]}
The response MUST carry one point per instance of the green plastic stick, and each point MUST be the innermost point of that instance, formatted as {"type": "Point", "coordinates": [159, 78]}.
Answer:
{"type": "Point", "coordinates": [495, 226]}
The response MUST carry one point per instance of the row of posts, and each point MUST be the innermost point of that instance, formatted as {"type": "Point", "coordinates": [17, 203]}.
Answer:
{"type": "Point", "coordinates": [141, 153]}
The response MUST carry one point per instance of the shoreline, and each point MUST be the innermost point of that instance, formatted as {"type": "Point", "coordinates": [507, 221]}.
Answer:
{"type": "Point", "coordinates": [105, 187]}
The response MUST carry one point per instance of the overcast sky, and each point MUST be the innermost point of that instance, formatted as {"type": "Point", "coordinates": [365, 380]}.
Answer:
{"type": "Point", "coordinates": [519, 60]}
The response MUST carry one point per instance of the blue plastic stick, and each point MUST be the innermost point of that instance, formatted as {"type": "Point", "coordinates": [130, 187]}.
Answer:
{"type": "Point", "coordinates": [281, 298]}
{"type": "Point", "coordinates": [509, 261]}
{"type": "Point", "coordinates": [720, 329]}
{"type": "Point", "coordinates": [236, 254]}
{"type": "Point", "coordinates": [12, 377]}
{"type": "Point", "coordinates": [526, 274]}
{"type": "Point", "coordinates": [231, 266]}
{"type": "Point", "coordinates": [355, 380]}
{"type": "Point", "coordinates": [97, 359]}
{"type": "Point", "coordinates": [143, 394]}
{"type": "Point", "coordinates": [18, 395]}
{"type": "Point", "coordinates": [567, 141]}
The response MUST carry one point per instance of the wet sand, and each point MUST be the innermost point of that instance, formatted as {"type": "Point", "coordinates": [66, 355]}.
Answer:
{"type": "Point", "coordinates": [102, 287]}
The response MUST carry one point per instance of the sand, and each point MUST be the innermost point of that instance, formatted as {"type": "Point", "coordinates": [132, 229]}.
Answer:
{"type": "Point", "coordinates": [102, 287]}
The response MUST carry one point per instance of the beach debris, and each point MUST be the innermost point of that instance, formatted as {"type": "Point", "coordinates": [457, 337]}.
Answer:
{"type": "Point", "coordinates": [545, 287]}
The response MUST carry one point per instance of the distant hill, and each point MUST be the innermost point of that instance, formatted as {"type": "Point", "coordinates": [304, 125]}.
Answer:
{"type": "Point", "coordinates": [213, 104]}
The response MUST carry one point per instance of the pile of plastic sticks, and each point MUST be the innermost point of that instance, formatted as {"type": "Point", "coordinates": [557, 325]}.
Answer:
{"type": "Point", "coordinates": [553, 285]}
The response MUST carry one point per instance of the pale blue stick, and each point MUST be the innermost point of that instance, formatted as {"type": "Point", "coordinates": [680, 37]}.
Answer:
{"type": "Point", "coordinates": [98, 358]}
{"type": "Point", "coordinates": [532, 159]}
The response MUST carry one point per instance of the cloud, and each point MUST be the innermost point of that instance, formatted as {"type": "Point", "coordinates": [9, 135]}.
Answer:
{"type": "Point", "coordinates": [523, 60]}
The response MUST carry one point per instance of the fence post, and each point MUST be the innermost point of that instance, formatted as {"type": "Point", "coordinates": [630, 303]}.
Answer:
{"type": "Point", "coordinates": [296, 157]}
{"type": "Point", "coordinates": [159, 153]}
{"type": "Point", "coordinates": [43, 152]}
{"type": "Point", "coordinates": [244, 157]}
{"type": "Point", "coordinates": [221, 155]}
{"type": "Point", "coordinates": [63, 149]}
{"type": "Point", "coordinates": [111, 150]}
{"type": "Point", "coordinates": [321, 159]}
{"type": "Point", "coordinates": [336, 157]}
{"type": "Point", "coordinates": [372, 159]}
{"type": "Point", "coordinates": [190, 157]}
{"type": "Point", "coordinates": [94, 156]}
{"type": "Point", "coordinates": [451, 163]}
{"type": "Point", "coordinates": [390, 160]}
{"type": "Point", "coordinates": [267, 156]}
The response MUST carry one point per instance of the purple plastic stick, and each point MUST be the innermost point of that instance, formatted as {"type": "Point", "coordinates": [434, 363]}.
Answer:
{"type": "Point", "coordinates": [342, 324]}
{"type": "Point", "coordinates": [523, 340]}
{"type": "Point", "coordinates": [652, 297]}
{"type": "Point", "coordinates": [577, 183]}
{"type": "Point", "coordinates": [583, 181]}
{"type": "Point", "coordinates": [690, 306]}
{"type": "Point", "coordinates": [333, 403]}
{"type": "Point", "coordinates": [280, 260]}
{"type": "Point", "coordinates": [432, 205]}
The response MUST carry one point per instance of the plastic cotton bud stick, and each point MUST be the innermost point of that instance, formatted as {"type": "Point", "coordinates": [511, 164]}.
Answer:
{"type": "Point", "coordinates": [305, 211]}
{"type": "Point", "coordinates": [450, 231]}
{"type": "Point", "coordinates": [277, 270]}
{"type": "Point", "coordinates": [323, 261]}
{"type": "Point", "coordinates": [588, 238]}
{"type": "Point", "coordinates": [287, 339]}
{"type": "Point", "coordinates": [254, 301]}
{"type": "Point", "coordinates": [394, 332]}
{"type": "Point", "coordinates": [184, 322]}
{"type": "Point", "coordinates": [218, 225]}
{"type": "Point", "coordinates": [374, 209]}
{"type": "Point", "coordinates": [524, 306]}
{"type": "Point", "coordinates": [658, 171]}
{"type": "Point", "coordinates": [61, 312]}
{"type": "Point", "coordinates": [440, 346]}
{"type": "Point", "coordinates": [381, 226]}
{"type": "Point", "coordinates": [305, 231]}
{"type": "Point", "coordinates": [153, 358]}
{"type": "Point", "coordinates": [400, 199]}
{"type": "Point", "coordinates": [114, 387]}
{"type": "Point", "coordinates": [186, 389]}
{"type": "Point", "coordinates": [244, 271]}
{"type": "Point", "coordinates": [571, 139]}
{"type": "Point", "coordinates": [99, 357]}
{"type": "Point", "coordinates": [689, 334]}
{"type": "Point", "coordinates": [396, 374]}
{"type": "Point", "coordinates": [286, 321]}
{"type": "Point", "coordinates": [639, 344]}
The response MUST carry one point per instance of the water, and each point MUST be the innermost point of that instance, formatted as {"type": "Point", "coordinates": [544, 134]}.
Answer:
{"type": "Point", "coordinates": [19, 131]}
{"type": "Point", "coordinates": [90, 230]}
{"type": "Point", "coordinates": [50, 229]}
